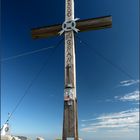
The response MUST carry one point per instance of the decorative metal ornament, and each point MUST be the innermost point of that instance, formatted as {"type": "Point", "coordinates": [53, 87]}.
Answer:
{"type": "Point", "coordinates": [69, 26]}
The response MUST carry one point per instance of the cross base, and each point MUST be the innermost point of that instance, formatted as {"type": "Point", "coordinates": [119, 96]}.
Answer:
{"type": "Point", "coordinates": [70, 122]}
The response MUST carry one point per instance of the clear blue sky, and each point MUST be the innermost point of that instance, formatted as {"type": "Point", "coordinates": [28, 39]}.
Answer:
{"type": "Point", "coordinates": [107, 98]}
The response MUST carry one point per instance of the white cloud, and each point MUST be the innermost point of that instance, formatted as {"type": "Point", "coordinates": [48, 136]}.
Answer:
{"type": "Point", "coordinates": [123, 121]}
{"type": "Point", "coordinates": [128, 82]}
{"type": "Point", "coordinates": [133, 96]}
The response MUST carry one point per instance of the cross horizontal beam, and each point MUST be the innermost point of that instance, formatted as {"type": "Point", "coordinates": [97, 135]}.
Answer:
{"type": "Point", "coordinates": [82, 25]}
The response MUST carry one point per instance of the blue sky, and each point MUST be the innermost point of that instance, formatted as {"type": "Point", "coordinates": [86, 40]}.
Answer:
{"type": "Point", "coordinates": [107, 97]}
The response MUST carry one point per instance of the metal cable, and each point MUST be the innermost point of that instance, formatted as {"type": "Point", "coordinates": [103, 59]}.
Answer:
{"type": "Point", "coordinates": [107, 59]}
{"type": "Point", "coordinates": [32, 82]}
{"type": "Point", "coordinates": [26, 53]}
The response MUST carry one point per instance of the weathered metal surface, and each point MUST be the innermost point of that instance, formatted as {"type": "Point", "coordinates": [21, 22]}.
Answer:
{"type": "Point", "coordinates": [82, 25]}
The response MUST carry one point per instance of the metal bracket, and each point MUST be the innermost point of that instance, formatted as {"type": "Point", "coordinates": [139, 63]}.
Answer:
{"type": "Point", "coordinates": [69, 26]}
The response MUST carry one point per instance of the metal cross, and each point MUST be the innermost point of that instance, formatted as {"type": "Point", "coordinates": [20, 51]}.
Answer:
{"type": "Point", "coordinates": [71, 26]}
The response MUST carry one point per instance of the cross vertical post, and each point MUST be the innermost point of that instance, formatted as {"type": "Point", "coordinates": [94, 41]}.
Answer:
{"type": "Point", "coordinates": [70, 121]}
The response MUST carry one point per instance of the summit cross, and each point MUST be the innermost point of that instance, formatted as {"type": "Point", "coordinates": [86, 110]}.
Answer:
{"type": "Point", "coordinates": [71, 26]}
